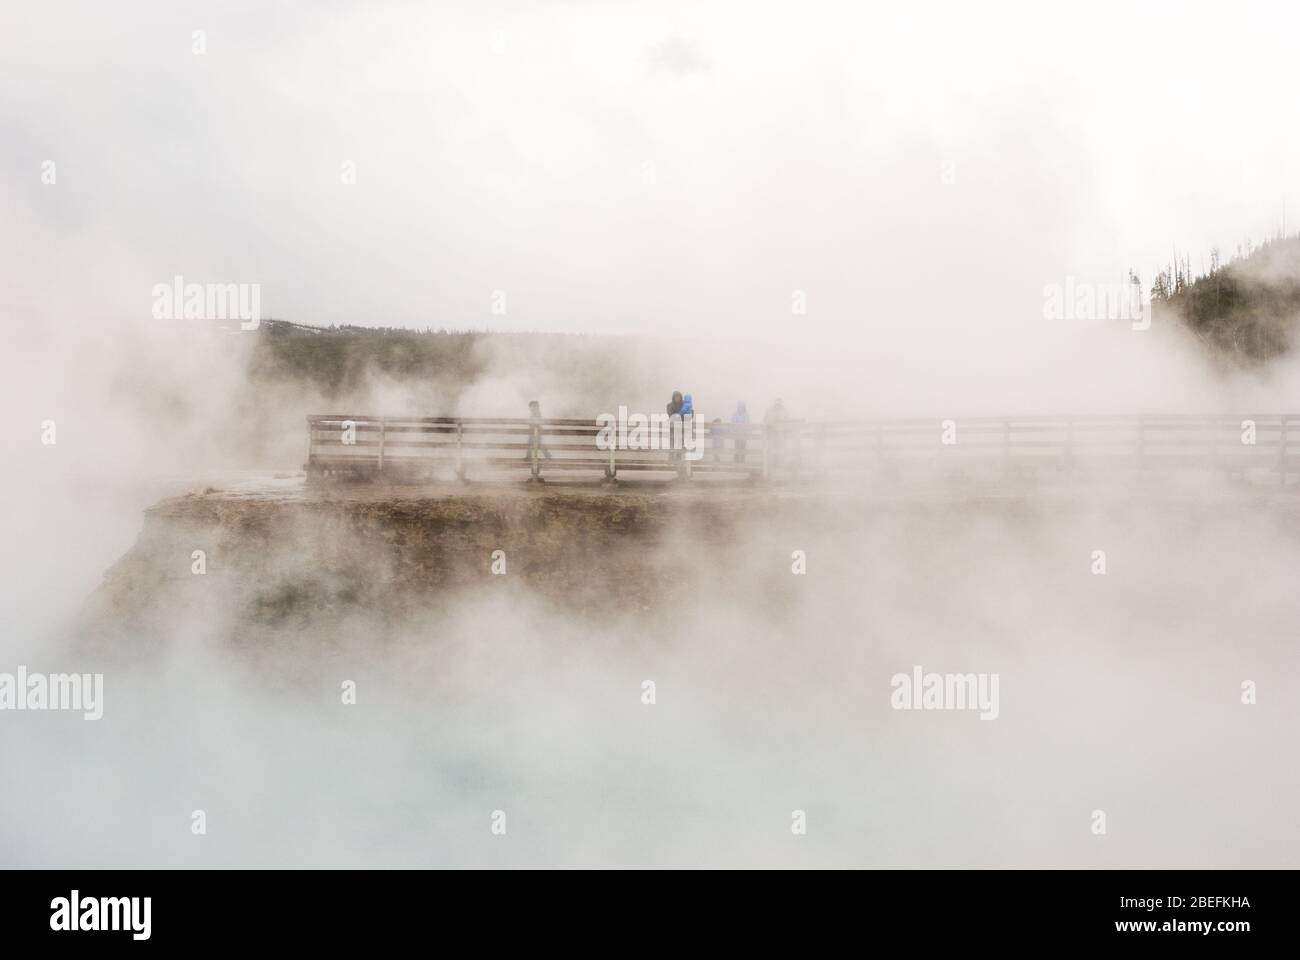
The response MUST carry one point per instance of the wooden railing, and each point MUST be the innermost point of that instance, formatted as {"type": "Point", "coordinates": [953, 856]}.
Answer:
{"type": "Point", "coordinates": [425, 447]}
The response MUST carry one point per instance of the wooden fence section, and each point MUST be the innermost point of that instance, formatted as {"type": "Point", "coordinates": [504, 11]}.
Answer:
{"type": "Point", "coordinates": [415, 448]}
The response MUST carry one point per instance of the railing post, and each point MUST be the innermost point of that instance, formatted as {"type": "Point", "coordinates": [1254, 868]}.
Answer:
{"type": "Point", "coordinates": [683, 462]}
{"type": "Point", "coordinates": [311, 443]}
{"type": "Point", "coordinates": [1281, 452]}
{"type": "Point", "coordinates": [460, 449]}
{"type": "Point", "coordinates": [534, 447]}
{"type": "Point", "coordinates": [383, 430]}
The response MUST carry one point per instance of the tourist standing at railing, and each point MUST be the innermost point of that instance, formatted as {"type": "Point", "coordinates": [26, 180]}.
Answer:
{"type": "Point", "coordinates": [740, 428]}
{"type": "Point", "coordinates": [674, 410]}
{"type": "Point", "coordinates": [535, 446]}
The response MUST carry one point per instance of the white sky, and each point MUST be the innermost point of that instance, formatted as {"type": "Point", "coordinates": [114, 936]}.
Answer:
{"type": "Point", "coordinates": [506, 146]}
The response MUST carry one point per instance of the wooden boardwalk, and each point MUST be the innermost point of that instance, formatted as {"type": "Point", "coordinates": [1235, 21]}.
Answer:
{"type": "Point", "coordinates": [419, 448]}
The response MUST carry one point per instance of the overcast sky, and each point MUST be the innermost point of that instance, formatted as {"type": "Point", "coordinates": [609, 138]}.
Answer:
{"type": "Point", "coordinates": [632, 167]}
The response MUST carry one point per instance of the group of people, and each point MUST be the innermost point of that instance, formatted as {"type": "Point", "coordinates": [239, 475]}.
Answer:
{"type": "Point", "coordinates": [682, 406]}
{"type": "Point", "coordinates": [738, 427]}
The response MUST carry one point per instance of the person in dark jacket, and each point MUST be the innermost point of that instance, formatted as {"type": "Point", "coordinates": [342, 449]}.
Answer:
{"type": "Point", "coordinates": [674, 410]}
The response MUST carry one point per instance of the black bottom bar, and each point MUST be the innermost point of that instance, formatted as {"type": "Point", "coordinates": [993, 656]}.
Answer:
{"type": "Point", "coordinates": [976, 909]}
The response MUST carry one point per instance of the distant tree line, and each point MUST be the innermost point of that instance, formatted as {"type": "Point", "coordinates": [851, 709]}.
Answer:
{"type": "Point", "coordinates": [1247, 307]}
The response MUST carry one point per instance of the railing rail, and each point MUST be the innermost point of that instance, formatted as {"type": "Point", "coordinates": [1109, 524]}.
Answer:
{"type": "Point", "coordinates": [354, 444]}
